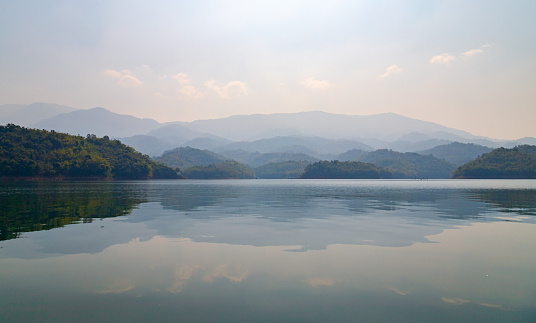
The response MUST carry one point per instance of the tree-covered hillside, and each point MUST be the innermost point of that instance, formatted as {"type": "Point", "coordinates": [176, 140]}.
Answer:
{"type": "Point", "coordinates": [221, 170]}
{"type": "Point", "coordinates": [345, 170]}
{"type": "Point", "coordinates": [409, 165]}
{"type": "Point", "coordinates": [518, 162]}
{"type": "Point", "coordinates": [40, 153]}
{"type": "Point", "coordinates": [185, 157]}
{"type": "Point", "coordinates": [457, 153]}
{"type": "Point", "coordinates": [285, 169]}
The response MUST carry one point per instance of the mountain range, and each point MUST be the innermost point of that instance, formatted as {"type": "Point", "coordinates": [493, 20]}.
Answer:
{"type": "Point", "coordinates": [318, 134]}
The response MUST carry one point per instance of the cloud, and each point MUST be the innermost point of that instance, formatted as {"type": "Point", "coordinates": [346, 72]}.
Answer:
{"type": "Point", "coordinates": [473, 52]}
{"type": "Point", "coordinates": [235, 275]}
{"type": "Point", "coordinates": [442, 59]}
{"type": "Point", "coordinates": [124, 77]}
{"type": "Point", "coordinates": [398, 291]}
{"type": "Point", "coordinates": [390, 70]}
{"type": "Point", "coordinates": [229, 90]}
{"type": "Point", "coordinates": [182, 78]}
{"type": "Point", "coordinates": [313, 84]}
{"type": "Point", "coordinates": [454, 300]}
{"type": "Point", "coordinates": [190, 92]}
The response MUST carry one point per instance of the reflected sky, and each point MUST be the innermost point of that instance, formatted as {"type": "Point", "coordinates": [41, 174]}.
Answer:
{"type": "Point", "coordinates": [277, 250]}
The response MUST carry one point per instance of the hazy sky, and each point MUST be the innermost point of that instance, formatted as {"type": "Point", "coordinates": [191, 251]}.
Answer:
{"type": "Point", "coordinates": [466, 64]}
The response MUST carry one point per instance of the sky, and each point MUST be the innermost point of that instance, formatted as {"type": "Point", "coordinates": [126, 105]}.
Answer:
{"type": "Point", "coordinates": [469, 65]}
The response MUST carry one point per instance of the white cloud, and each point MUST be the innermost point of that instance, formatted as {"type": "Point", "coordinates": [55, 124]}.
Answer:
{"type": "Point", "coordinates": [182, 78]}
{"type": "Point", "coordinates": [124, 77]}
{"type": "Point", "coordinates": [312, 83]}
{"type": "Point", "coordinates": [390, 70]}
{"type": "Point", "coordinates": [442, 59]}
{"type": "Point", "coordinates": [473, 52]}
{"type": "Point", "coordinates": [190, 92]}
{"type": "Point", "coordinates": [229, 90]}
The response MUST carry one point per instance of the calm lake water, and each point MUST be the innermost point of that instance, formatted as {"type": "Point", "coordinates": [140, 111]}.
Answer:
{"type": "Point", "coordinates": [269, 251]}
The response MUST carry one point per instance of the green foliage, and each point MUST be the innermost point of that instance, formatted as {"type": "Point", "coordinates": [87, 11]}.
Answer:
{"type": "Point", "coordinates": [345, 170]}
{"type": "Point", "coordinates": [518, 162]}
{"type": "Point", "coordinates": [185, 157]}
{"type": "Point", "coordinates": [457, 153]}
{"type": "Point", "coordinates": [39, 153]}
{"type": "Point", "coordinates": [409, 165]}
{"type": "Point", "coordinates": [285, 169]}
{"type": "Point", "coordinates": [221, 170]}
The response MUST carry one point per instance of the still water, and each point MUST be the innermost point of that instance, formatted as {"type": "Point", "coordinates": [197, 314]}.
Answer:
{"type": "Point", "coordinates": [268, 250]}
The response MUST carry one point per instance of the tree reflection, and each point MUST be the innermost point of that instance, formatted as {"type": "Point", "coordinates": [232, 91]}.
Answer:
{"type": "Point", "coordinates": [36, 206]}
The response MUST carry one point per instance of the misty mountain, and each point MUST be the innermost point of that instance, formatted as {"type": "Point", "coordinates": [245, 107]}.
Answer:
{"type": "Point", "coordinates": [256, 159]}
{"type": "Point", "coordinates": [314, 146]}
{"type": "Point", "coordinates": [98, 121]}
{"type": "Point", "coordinates": [27, 115]}
{"type": "Point", "coordinates": [351, 155]}
{"type": "Point", "coordinates": [408, 146]}
{"type": "Point", "coordinates": [185, 157]}
{"type": "Point", "coordinates": [176, 134]}
{"type": "Point", "coordinates": [387, 126]}
{"type": "Point", "coordinates": [409, 165]}
{"type": "Point", "coordinates": [148, 145]}
{"type": "Point", "coordinates": [457, 153]}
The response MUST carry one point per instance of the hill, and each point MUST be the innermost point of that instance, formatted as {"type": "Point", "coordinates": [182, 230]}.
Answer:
{"type": "Point", "coordinates": [98, 121]}
{"type": "Point", "coordinates": [27, 115]}
{"type": "Point", "coordinates": [387, 126]}
{"type": "Point", "coordinates": [518, 162]}
{"type": "Point", "coordinates": [257, 159]}
{"type": "Point", "coordinates": [344, 170]}
{"type": "Point", "coordinates": [38, 153]}
{"type": "Point", "coordinates": [409, 165]}
{"type": "Point", "coordinates": [457, 153]}
{"type": "Point", "coordinates": [220, 170]}
{"type": "Point", "coordinates": [284, 169]}
{"type": "Point", "coordinates": [185, 157]}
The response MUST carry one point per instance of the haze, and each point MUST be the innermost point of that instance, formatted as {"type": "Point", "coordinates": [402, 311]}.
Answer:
{"type": "Point", "coordinates": [469, 65]}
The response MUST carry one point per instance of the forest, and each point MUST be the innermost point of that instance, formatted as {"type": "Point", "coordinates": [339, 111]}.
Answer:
{"type": "Point", "coordinates": [345, 170]}
{"type": "Point", "coordinates": [32, 153]}
{"type": "Point", "coordinates": [518, 162]}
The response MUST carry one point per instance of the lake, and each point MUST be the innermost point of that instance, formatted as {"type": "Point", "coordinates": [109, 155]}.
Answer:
{"type": "Point", "coordinates": [268, 251]}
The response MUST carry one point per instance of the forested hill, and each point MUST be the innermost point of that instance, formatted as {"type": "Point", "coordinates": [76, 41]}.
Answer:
{"type": "Point", "coordinates": [345, 170]}
{"type": "Point", "coordinates": [518, 162]}
{"type": "Point", "coordinates": [26, 153]}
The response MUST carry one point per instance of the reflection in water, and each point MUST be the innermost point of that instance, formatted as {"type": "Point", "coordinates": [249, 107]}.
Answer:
{"type": "Point", "coordinates": [345, 251]}
{"type": "Point", "coordinates": [35, 206]}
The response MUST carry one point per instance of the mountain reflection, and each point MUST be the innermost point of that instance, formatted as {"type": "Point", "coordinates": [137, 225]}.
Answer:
{"type": "Point", "coordinates": [305, 215]}
{"type": "Point", "coordinates": [36, 206]}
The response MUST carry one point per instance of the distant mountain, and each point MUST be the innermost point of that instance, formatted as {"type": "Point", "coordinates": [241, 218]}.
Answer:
{"type": "Point", "coordinates": [98, 121]}
{"type": "Point", "coordinates": [519, 142]}
{"type": "Point", "coordinates": [148, 145]}
{"type": "Point", "coordinates": [387, 126]}
{"type": "Point", "coordinates": [257, 159]}
{"type": "Point", "coordinates": [518, 162]}
{"type": "Point", "coordinates": [457, 153]}
{"type": "Point", "coordinates": [314, 146]}
{"type": "Point", "coordinates": [27, 115]}
{"type": "Point", "coordinates": [185, 157]}
{"type": "Point", "coordinates": [351, 155]}
{"type": "Point", "coordinates": [408, 146]}
{"type": "Point", "coordinates": [409, 165]}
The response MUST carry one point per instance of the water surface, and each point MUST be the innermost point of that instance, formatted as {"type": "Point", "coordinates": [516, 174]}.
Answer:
{"type": "Point", "coordinates": [268, 250]}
